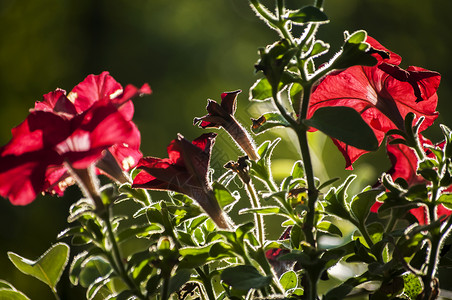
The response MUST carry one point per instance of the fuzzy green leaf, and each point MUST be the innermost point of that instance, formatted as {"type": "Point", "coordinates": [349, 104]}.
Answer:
{"type": "Point", "coordinates": [307, 14]}
{"type": "Point", "coordinates": [47, 268]}
{"type": "Point", "coordinates": [245, 277]}
{"type": "Point", "coordinates": [289, 280]}
{"type": "Point", "coordinates": [344, 124]}
{"type": "Point", "coordinates": [267, 121]}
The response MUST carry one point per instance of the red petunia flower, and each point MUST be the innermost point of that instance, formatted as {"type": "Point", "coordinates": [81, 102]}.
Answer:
{"type": "Point", "coordinates": [404, 165]}
{"type": "Point", "coordinates": [222, 115]}
{"type": "Point", "coordinates": [383, 94]}
{"type": "Point", "coordinates": [62, 132]}
{"type": "Point", "coordinates": [184, 171]}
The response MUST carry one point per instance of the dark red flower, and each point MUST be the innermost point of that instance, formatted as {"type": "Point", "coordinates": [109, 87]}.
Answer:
{"type": "Point", "coordinates": [383, 94]}
{"type": "Point", "coordinates": [222, 115]}
{"type": "Point", "coordinates": [404, 165]}
{"type": "Point", "coordinates": [60, 132]}
{"type": "Point", "coordinates": [186, 171]}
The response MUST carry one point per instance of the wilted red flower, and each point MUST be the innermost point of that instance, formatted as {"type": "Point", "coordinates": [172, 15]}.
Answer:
{"type": "Point", "coordinates": [222, 115]}
{"type": "Point", "coordinates": [383, 94]}
{"type": "Point", "coordinates": [404, 165]}
{"type": "Point", "coordinates": [63, 131]}
{"type": "Point", "coordinates": [184, 171]}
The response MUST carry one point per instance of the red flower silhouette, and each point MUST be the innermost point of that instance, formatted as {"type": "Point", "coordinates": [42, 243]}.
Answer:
{"type": "Point", "coordinates": [63, 131]}
{"type": "Point", "coordinates": [382, 94]}
{"type": "Point", "coordinates": [404, 165]}
{"type": "Point", "coordinates": [184, 171]}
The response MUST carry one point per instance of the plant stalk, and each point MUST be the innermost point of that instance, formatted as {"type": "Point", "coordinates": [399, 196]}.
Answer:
{"type": "Point", "coordinates": [260, 230]}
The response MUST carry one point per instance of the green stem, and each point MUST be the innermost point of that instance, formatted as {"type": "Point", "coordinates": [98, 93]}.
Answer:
{"type": "Point", "coordinates": [264, 13]}
{"type": "Point", "coordinates": [207, 284]}
{"type": "Point", "coordinates": [54, 291]}
{"type": "Point", "coordinates": [165, 288]}
{"type": "Point", "coordinates": [281, 7]}
{"type": "Point", "coordinates": [318, 3]}
{"type": "Point", "coordinates": [117, 259]}
{"type": "Point", "coordinates": [430, 276]}
{"type": "Point", "coordinates": [308, 227]}
{"type": "Point", "coordinates": [260, 231]}
{"type": "Point", "coordinates": [281, 108]}
{"type": "Point", "coordinates": [391, 223]}
{"type": "Point", "coordinates": [300, 129]}
{"type": "Point", "coordinates": [436, 242]}
{"type": "Point", "coordinates": [311, 291]}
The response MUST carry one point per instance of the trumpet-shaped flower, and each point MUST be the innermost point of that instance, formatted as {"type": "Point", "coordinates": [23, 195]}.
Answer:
{"type": "Point", "coordinates": [64, 132]}
{"type": "Point", "coordinates": [383, 94]}
{"type": "Point", "coordinates": [184, 171]}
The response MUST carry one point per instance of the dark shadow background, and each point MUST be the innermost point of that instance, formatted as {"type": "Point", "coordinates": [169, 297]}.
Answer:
{"type": "Point", "coordinates": [187, 51]}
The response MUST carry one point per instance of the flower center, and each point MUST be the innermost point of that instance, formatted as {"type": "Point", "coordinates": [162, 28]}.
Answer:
{"type": "Point", "coordinates": [76, 143]}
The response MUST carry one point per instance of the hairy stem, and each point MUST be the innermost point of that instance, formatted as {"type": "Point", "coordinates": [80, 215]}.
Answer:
{"type": "Point", "coordinates": [207, 284]}
{"type": "Point", "coordinates": [117, 259]}
{"type": "Point", "coordinates": [260, 230]}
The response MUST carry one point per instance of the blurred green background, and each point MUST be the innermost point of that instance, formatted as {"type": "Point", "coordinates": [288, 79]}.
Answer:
{"type": "Point", "coordinates": [187, 51]}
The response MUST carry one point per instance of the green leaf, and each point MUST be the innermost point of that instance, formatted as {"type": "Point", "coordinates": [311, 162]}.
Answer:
{"type": "Point", "coordinates": [261, 168]}
{"type": "Point", "coordinates": [412, 285]}
{"type": "Point", "coordinates": [242, 230]}
{"type": "Point", "coordinates": [76, 267]}
{"type": "Point", "coordinates": [220, 250]}
{"type": "Point", "coordinates": [375, 231]}
{"type": "Point", "coordinates": [9, 294]}
{"type": "Point", "coordinates": [245, 277]}
{"type": "Point", "coordinates": [362, 203]}
{"type": "Point", "coordinates": [266, 210]}
{"type": "Point", "coordinates": [328, 182]}
{"type": "Point", "coordinates": [267, 121]}
{"type": "Point", "coordinates": [319, 48]}
{"type": "Point", "coordinates": [225, 198]}
{"type": "Point", "coordinates": [139, 195]}
{"type": "Point", "coordinates": [335, 200]}
{"type": "Point", "coordinates": [289, 280]}
{"type": "Point", "coordinates": [261, 90]}
{"type": "Point", "coordinates": [296, 236]}
{"type": "Point", "coordinates": [178, 280]}
{"type": "Point", "coordinates": [6, 285]}
{"type": "Point", "coordinates": [307, 14]}
{"type": "Point", "coordinates": [330, 228]}
{"type": "Point", "coordinates": [344, 124]}
{"type": "Point", "coordinates": [356, 51]}
{"type": "Point", "coordinates": [47, 268]}
{"type": "Point", "coordinates": [298, 169]}
{"type": "Point", "coordinates": [139, 231]}
{"type": "Point", "coordinates": [99, 289]}
{"type": "Point", "coordinates": [194, 256]}
{"type": "Point", "coordinates": [92, 269]}
{"type": "Point", "coordinates": [446, 200]}
{"type": "Point", "coordinates": [273, 62]}
{"type": "Point", "coordinates": [295, 95]}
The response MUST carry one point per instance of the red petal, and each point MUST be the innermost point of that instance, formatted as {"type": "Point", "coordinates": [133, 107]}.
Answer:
{"type": "Point", "coordinates": [404, 163]}
{"type": "Point", "coordinates": [56, 102]}
{"type": "Point", "coordinates": [394, 58]}
{"type": "Point", "coordinates": [94, 88]}
{"type": "Point", "coordinates": [229, 101]}
{"type": "Point", "coordinates": [99, 128]}
{"type": "Point", "coordinates": [131, 92]}
{"type": "Point", "coordinates": [147, 181]}
{"type": "Point", "coordinates": [22, 177]}
{"type": "Point", "coordinates": [382, 100]}
{"type": "Point", "coordinates": [420, 214]}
